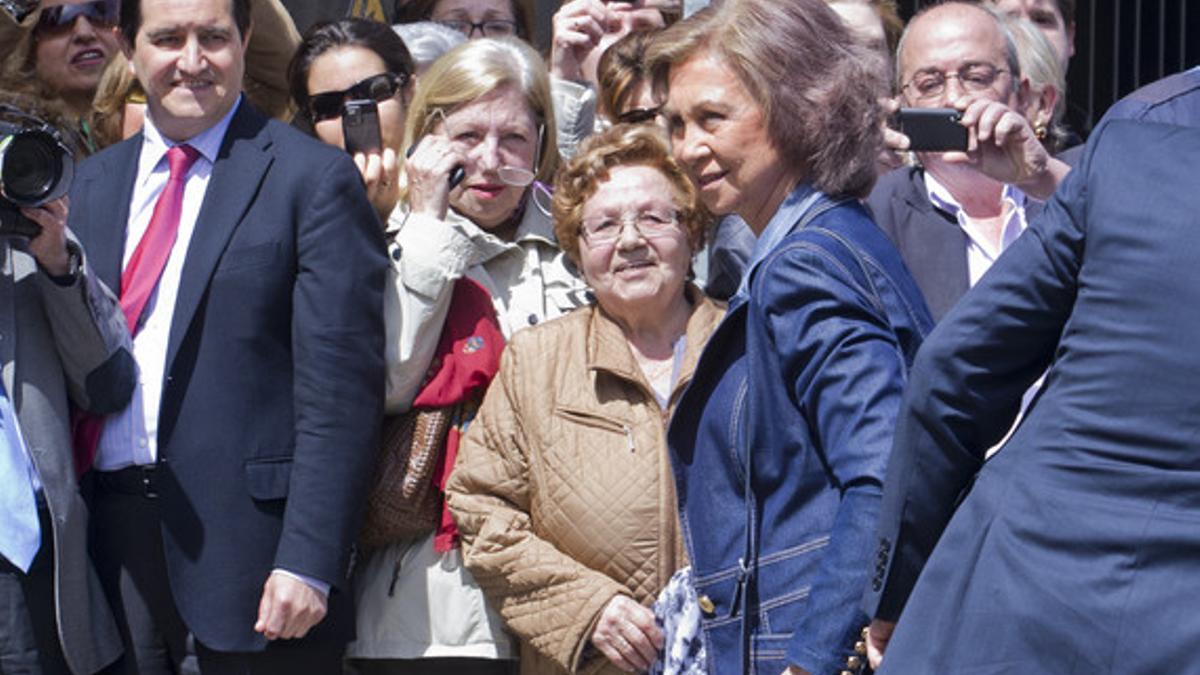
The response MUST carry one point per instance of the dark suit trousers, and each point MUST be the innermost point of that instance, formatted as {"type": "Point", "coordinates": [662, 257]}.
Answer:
{"type": "Point", "coordinates": [126, 542]}
{"type": "Point", "coordinates": [28, 632]}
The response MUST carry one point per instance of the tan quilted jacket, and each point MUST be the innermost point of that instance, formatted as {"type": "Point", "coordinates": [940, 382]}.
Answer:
{"type": "Point", "coordinates": [562, 487]}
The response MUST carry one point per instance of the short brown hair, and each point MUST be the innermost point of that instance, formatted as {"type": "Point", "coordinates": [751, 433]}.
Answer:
{"type": "Point", "coordinates": [621, 145]}
{"type": "Point", "coordinates": [819, 87]}
{"type": "Point", "coordinates": [622, 67]}
{"type": "Point", "coordinates": [131, 18]}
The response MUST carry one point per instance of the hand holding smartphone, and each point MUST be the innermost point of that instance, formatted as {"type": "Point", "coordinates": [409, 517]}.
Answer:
{"type": "Point", "coordinates": [456, 174]}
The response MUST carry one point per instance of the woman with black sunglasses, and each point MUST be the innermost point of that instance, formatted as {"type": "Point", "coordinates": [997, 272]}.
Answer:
{"type": "Point", "coordinates": [61, 54]}
{"type": "Point", "coordinates": [356, 60]}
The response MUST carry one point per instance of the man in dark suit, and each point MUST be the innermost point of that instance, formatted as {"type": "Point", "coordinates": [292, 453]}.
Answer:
{"type": "Point", "coordinates": [1071, 547]}
{"type": "Point", "coordinates": [61, 335]}
{"type": "Point", "coordinates": [952, 216]}
{"type": "Point", "coordinates": [1175, 99]}
{"type": "Point", "coordinates": [251, 268]}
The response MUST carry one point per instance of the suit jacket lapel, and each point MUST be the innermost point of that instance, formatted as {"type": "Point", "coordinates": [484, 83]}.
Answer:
{"type": "Point", "coordinates": [239, 170]}
{"type": "Point", "coordinates": [106, 211]}
{"type": "Point", "coordinates": [937, 250]}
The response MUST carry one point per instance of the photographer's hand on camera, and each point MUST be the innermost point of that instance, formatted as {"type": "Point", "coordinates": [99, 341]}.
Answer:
{"type": "Point", "coordinates": [50, 246]}
{"type": "Point", "coordinates": [427, 174]}
{"type": "Point", "coordinates": [1004, 146]}
{"type": "Point", "coordinates": [381, 175]}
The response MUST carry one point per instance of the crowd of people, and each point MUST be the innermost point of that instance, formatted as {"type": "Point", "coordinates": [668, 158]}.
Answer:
{"type": "Point", "coordinates": [379, 343]}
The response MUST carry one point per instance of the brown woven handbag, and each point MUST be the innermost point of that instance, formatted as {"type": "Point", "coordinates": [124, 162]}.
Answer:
{"type": "Point", "coordinates": [403, 503]}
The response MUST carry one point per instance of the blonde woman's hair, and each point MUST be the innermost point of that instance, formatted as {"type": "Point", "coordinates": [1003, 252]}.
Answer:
{"type": "Point", "coordinates": [477, 68]}
{"type": "Point", "coordinates": [116, 86]}
{"type": "Point", "coordinates": [1040, 65]}
{"type": "Point", "coordinates": [18, 67]}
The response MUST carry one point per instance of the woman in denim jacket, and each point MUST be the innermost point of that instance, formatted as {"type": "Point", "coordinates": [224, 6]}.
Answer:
{"type": "Point", "coordinates": [807, 369]}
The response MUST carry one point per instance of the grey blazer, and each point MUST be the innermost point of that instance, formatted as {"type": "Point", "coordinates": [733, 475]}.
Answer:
{"type": "Point", "coordinates": [59, 341]}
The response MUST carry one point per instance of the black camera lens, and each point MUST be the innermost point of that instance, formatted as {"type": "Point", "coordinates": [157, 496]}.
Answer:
{"type": "Point", "coordinates": [34, 168]}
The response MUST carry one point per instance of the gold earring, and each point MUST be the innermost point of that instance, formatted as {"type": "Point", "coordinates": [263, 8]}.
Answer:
{"type": "Point", "coordinates": [1041, 132]}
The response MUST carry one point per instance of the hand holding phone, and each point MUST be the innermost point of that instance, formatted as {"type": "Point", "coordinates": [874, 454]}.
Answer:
{"type": "Point", "coordinates": [1005, 147]}
{"type": "Point", "coordinates": [456, 174]}
{"type": "Point", "coordinates": [432, 169]}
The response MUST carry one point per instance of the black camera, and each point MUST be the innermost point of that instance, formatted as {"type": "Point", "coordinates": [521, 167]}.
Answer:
{"type": "Point", "coordinates": [36, 167]}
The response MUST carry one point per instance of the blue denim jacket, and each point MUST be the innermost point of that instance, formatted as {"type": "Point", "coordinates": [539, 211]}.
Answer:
{"type": "Point", "coordinates": [807, 369]}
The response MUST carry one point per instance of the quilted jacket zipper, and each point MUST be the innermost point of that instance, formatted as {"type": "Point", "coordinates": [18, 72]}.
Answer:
{"type": "Point", "coordinates": [598, 422]}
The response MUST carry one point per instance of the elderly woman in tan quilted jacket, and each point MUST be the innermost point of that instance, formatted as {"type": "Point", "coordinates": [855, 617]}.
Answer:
{"type": "Point", "coordinates": [563, 489]}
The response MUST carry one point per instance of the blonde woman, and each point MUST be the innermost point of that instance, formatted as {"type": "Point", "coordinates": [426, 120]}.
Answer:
{"type": "Point", "coordinates": [481, 115]}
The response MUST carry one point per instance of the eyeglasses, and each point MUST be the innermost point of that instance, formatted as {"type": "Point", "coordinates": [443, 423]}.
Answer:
{"type": "Point", "coordinates": [639, 115]}
{"type": "Point", "coordinates": [102, 13]}
{"type": "Point", "coordinates": [327, 105]}
{"type": "Point", "coordinates": [493, 28]}
{"type": "Point", "coordinates": [973, 77]}
{"type": "Point", "coordinates": [509, 174]}
{"type": "Point", "coordinates": [605, 230]}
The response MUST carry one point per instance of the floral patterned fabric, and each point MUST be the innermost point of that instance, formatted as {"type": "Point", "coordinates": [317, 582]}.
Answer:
{"type": "Point", "coordinates": [678, 616]}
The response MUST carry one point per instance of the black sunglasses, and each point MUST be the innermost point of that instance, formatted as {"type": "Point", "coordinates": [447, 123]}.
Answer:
{"type": "Point", "coordinates": [102, 13]}
{"type": "Point", "coordinates": [328, 104]}
{"type": "Point", "coordinates": [639, 115]}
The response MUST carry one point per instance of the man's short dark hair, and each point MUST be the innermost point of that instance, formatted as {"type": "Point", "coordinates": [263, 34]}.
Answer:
{"type": "Point", "coordinates": [131, 18]}
{"type": "Point", "coordinates": [1067, 9]}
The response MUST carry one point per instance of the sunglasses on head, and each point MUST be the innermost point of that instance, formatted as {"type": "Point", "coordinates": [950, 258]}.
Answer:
{"type": "Point", "coordinates": [379, 88]}
{"type": "Point", "coordinates": [102, 13]}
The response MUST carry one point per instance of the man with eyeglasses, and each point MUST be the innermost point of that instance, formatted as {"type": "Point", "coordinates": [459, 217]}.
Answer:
{"type": "Point", "coordinates": [1073, 549]}
{"type": "Point", "coordinates": [953, 214]}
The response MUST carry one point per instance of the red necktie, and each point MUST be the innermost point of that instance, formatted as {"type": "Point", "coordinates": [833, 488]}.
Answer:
{"type": "Point", "coordinates": [139, 280]}
{"type": "Point", "coordinates": [150, 257]}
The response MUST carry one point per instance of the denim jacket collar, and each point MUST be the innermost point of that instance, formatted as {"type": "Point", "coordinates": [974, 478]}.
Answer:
{"type": "Point", "coordinates": [790, 212]}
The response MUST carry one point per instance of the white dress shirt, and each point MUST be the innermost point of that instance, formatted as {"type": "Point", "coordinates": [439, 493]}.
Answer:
{"type": "Point", "coordinates": [131, 436]}
{"type": "Point", "coordinates": [981, 251]}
